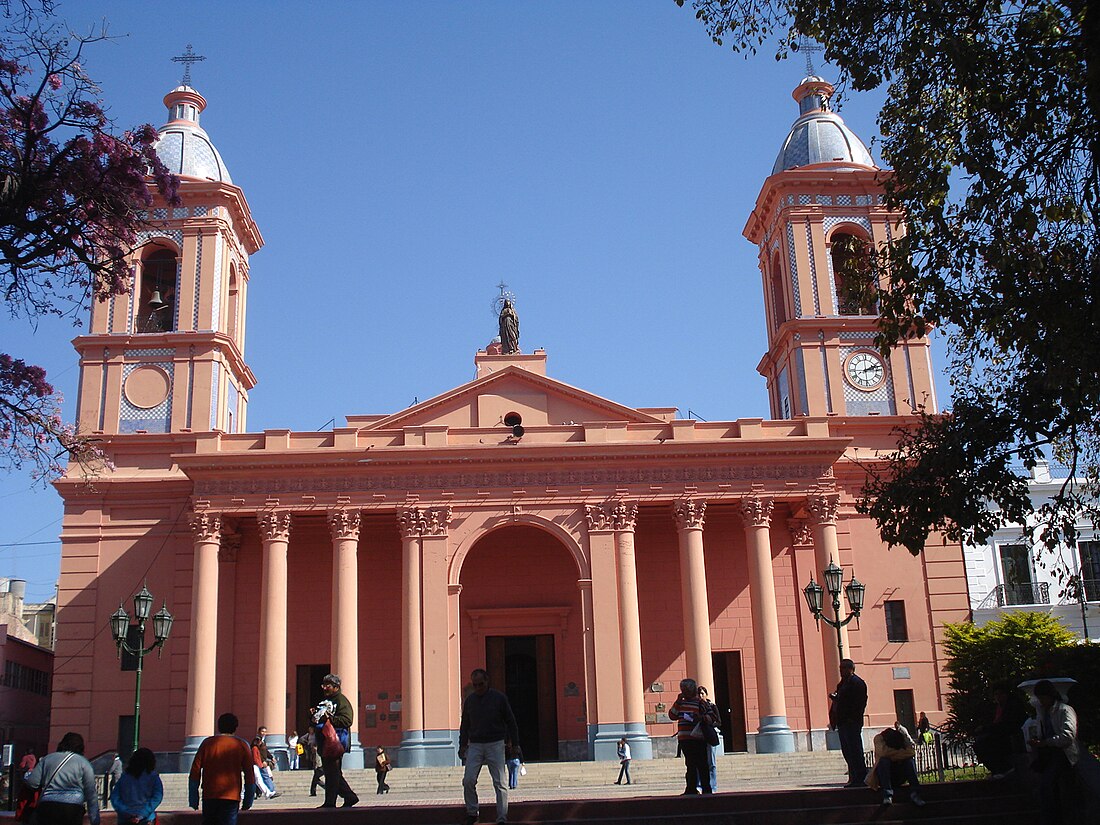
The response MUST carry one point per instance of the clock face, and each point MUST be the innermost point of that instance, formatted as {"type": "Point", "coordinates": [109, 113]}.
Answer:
{"type": "Point", "coordinates": [865, 371]}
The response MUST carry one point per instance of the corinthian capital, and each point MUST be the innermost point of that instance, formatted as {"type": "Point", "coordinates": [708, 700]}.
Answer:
{"type": "Point", "coordinates": [757, 510]}
{"type": "Point", "coordinates": [410, 521]}
{"type": "Point", "coordinates": [274, 525]}
{"type": "Point", "coordinates": [624, 515]}
{"type": "Point", "coordinates": [436, 520]}
{"type": "Point", "coordinates": [205, 525]}
{"type": "Point", "coordinates": [824, 507]}
{"type": "Point", "coordinates": [599, 517]}
{"type": "Point", "coordinates": [343, 523]}
{"type": "Point", "coordinates": [801, 534]}
{"type": "Point", "coordinates": [690, 513]}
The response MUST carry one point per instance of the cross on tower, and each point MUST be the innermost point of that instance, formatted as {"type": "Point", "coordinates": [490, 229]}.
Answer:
{"type": "Point", "coordinates": [187, 58]}
{"type": "Point", "coordinates": [806, 45]}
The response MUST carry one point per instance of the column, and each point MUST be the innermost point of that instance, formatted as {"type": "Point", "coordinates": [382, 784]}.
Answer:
{"type": "Point", "coordinates": [271, 703]}
{"type": "Point", "coordinates": [623, 519]}
{"type": "Point", "coordinates": [410, 523]}
{"type": "Point", "coordinates": [689, 514]}
{"type": "Point", "coordinates": [607, 725]}
{"type": "Point", "coordinates": [802, 548]}
{"type": "Point", "coordinates": [773, 734]}
{"type": "Point", "coordinates": [823, 507]}
{"type": "Point", "coordinates": [439, 738]}
{"type": "Point", "coordinates": [206, 528]}
{"type": "Point", "coordinates": [343, 524]}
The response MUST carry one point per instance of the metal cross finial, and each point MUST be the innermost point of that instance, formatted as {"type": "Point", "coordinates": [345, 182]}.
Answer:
{"type": "Point", "coordinates": [187, 58]}
{"type": "Point", "coordinates": [505, 295]}
{"type": "Point", "coordinates": [809, 47]}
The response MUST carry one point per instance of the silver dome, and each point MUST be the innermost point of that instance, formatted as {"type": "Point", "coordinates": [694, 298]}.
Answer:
{"type": "Point", "coordinates": [183, 146]}
{"type": "Point", "coordinates": [819, 136]}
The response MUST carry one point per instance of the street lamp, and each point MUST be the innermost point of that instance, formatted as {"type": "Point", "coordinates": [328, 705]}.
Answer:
{"type": "Point", "coordinates": [815, 596]}
{"type": "Point", "coordinates": [120, 629]}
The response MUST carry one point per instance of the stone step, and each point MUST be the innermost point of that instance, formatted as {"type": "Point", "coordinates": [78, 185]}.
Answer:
{"type": "Point", "coordinates": [827, 766]}
{"type": "Point", "coordinates": [958, 803]}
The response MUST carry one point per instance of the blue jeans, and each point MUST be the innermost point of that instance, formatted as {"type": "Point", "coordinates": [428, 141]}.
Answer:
{"type": "Point", "coordinates": [851, 745]}
{"type": "Point", "coordinates": [624, 771]}
{"type": "Point", "coordinates": [491, 754]}
{"type": "Point", "coordinates": [219, 811]}
{"type": "Point", "coordinates": [513, 773]}
{"type": "Point", "coordinates": [891, 774]}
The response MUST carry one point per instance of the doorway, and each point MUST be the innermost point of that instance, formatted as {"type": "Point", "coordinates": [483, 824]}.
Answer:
{"type": "Point", "coordinates": [729, 696]}
{"type": "Point", "coordinates": [307, 693]}
{"type": "Point", "coordinates": [905, 710]}
{"type": "Point", "coordinates": [523, 668]}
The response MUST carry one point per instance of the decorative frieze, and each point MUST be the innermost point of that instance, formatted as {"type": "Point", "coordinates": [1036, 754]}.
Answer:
{"type": "Point", "coordinates": [689, 513]}
{"type": "Point", "coordinates": [824, 506]}
{"type": "Point", "coordinates": [274, 525]}
{"type": "Point", "coordinates": [757, 510]}
{"type": "Point", "coordinates": [558, 479]}
{"type": "Point", "coordinates": [343, 522]}
{"type": "Point", "coordinates": [206, 525]}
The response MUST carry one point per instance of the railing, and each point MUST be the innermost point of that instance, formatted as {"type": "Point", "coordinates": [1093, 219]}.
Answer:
{"type": "Point", "coordinates": [1030, 593]}
{"type": "Point", "coordinates": [1072, 594]}
{"type": "Point", "coordinates": [944, 760]}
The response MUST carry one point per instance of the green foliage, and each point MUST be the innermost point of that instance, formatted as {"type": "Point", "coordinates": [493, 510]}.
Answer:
{"type": "Point", "coordinates": [1010, 650]}
{"type": "Point", "coordinates": [991, 127]}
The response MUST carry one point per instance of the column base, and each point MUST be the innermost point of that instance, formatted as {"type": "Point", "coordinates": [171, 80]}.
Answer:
{"type": "Point", "coordinates": [641, 745]}
{"type": "Point", "coordinates": [353, 758]}
{"type": "Point", "coordinates": [774, 735]}
{"type": "Point", "coordinates": [276, 744]}
{"type": "Point", "coordinates": [603, 741]}
{"type": "Point", "coordinates": [186, 754]}
{"type": "Point", "coordinates": [428, 749]}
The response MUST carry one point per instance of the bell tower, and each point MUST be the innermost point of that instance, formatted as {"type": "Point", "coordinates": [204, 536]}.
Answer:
{"type": "Point", "coordinates": [169, 356]}
{"type": "Point", "coordinates": [824, 200]}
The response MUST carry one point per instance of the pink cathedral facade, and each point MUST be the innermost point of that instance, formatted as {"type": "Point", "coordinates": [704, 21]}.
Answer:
{"type": "Point", "coordinates": [588, 564]}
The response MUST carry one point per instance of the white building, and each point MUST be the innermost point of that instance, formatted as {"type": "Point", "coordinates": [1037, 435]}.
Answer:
{"type": "Point", "coordinates": [1009, 573]}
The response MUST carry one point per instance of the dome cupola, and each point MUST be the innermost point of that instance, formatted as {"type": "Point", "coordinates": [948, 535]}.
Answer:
{"type": "Point", "coordinates": [184, 147]}
{"type": "Point", "coordinates": [819, 136]}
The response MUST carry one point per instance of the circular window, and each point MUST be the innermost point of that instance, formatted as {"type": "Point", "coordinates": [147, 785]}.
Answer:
{"type": "Point", "coordinates": [513, 419]}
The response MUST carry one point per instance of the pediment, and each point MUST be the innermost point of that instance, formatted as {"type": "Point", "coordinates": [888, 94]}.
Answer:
{"type": "Point", "coordinates": [484, 402]}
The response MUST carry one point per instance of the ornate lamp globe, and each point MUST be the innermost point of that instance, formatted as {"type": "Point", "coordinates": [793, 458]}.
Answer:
{"type": "Point", "coordinates": [162, 624]}
{"type": "Point", "coordinates": [814, 596]}
{"type": "Point", "coordinates": [855, 592]}
{"type": "Point", "coordinates": [120, 623]}
{"type": "Point", "coordinates": [143, 603]}
{"type": "Point", "coordinates": [833, 576]}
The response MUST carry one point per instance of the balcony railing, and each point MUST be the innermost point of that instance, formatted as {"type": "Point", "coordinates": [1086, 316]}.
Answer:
{"type": "Point", "coordinates": [1072, 595]}
{"type": "Point", "coordinates": [1007, 595]}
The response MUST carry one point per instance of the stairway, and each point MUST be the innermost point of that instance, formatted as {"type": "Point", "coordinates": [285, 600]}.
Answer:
{"type": "Point", "coordinates": [774, 789]}
{"type": "Point", "coordinates": [735, 771]}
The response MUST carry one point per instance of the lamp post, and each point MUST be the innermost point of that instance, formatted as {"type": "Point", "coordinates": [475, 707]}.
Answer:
{"type": "Point", "coordinates": [120, 628]}
{"type": "Point", "coordinates": [854, 592]}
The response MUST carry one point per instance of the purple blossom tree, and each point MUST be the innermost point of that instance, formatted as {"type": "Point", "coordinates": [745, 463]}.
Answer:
{"type": "Point", "coordinates": [73, 197]}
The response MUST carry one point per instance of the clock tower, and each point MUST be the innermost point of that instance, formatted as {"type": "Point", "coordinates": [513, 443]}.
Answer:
{"type": "Point", "coordinates": [823, 200]}
{"type": "Point", "coordinates": [168, 356]}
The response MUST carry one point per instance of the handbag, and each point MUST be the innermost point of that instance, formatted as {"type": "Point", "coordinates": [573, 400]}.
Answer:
{"type": "Point", "coordinates": [706, 731]}
{"type": "Point", "coordinates": [331, 746]}
{"type": "Point", "coordinates": [523, 770]}
{"type": "Point", "coordinates": [28, 799]}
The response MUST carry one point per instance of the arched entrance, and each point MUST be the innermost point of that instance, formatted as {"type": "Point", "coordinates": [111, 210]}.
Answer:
{"type": "Point", "coordinates": [521, 620]}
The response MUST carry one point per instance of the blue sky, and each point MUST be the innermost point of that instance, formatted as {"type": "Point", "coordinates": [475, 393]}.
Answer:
{"type": "Point", "coordinates": [401, 159]}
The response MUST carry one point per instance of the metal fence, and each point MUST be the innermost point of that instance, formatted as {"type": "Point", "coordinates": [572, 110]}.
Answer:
{"type": "Point", "coordinates": [944, 760]}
